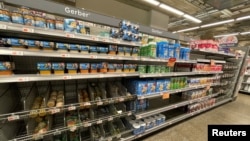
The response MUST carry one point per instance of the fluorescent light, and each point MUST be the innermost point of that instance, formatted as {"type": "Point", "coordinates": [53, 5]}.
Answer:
{"type": "Point", "coordinates": [189, 29]}
{"type": "Point", "coordinates": [153, 2]}
{"type": "Point", "coordinates": [244, 33]}
{"type": "Point", "coordinates": [171, 9]}
{"type": "Point", "coordinates": [218, 23]}
{"type": "Point", "coordinates": [226, 35]}
{"type": "Point", "coordinates": [243, 18]}
{"type": "Point", "coordinates": [192, 18]}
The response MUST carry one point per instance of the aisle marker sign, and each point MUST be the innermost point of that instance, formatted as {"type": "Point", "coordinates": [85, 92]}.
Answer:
{"type": "Point", "coordinates": [165, 95]}
{"type": "Point", "coordinates": [171, 62]}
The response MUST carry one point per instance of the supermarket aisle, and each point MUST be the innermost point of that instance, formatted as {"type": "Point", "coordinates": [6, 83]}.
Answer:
{"type": "Point", "coordinates": [195, 129]}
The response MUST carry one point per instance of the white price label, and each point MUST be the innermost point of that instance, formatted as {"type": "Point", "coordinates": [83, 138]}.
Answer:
{"type": "Point", "coordinates": [31, 30]}
{"type": "Point", "coordinates": [105, 40]}
{"type": "Point", "coordinates": [18, 53]}
{"type": "Point", "coordinates": [72, 108]}
{"type": "Point", "coordinates": [110, 118]}
{"type": "Point", "coordinates": [141, 97]}
{"type": "Point", "coordinates": [118, 136]}
{"type": "Point", "coordinates": [99, 122]}
{"type": "Point", "coordinates": [116, 41]}
{"type": "Point", "coordinates": [57, 132]}
{"type": "Point", "coordinates": [14, 117]}
{"type": "Point", "coordinates": [111, 57]}
{"type": "Point", "coordinates": [69, 35]}
{"type": "Point", "coordinates": [86, 124]}
{"type": "Point", "coordinates": [109, 139]}
{"type": "Point", "coordinates": [129, 113]}
{"type": "Point", "coordinates": [101, 75]}
{"type": "Point", "coordinates": [23, 79]}
{"type": "Point", "coordinates": [93, 56]}
{"type": "Point", "coordinates": [87, 104]}
{"type": "Point", "coordinates": [121, 99]}
{"type": "Point", "coordinates": [67, 77]}
{"type": "Point", "coordinates": [99, 103]}
{"type": "Point", "coordinates": [53, 111]}
{"type": "Point", "coordinates": [3, 26]}
{"type": "Point", "coordinates": [95, 38]}
{"type": "Point", "coordinates": [124, 74]}
{"type": "Point", "coordinates": [73, 128]}
{"type": "Point", "coordinates": [65, 55]}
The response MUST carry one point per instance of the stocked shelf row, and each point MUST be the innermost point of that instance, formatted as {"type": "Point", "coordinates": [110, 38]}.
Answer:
{"type": "Point", "coordinates": [174, 120]}
{"type": "Point", "coordinates": [173, 106]}
{"type": "Point", "coordinates": [12, 27]}
{"type": "Point", "coordinates": [38, 77]}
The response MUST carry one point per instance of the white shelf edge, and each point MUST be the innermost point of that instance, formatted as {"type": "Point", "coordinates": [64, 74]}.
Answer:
{"type": "Point", "coordinates": [244, 91]}
{"type": "Point", "coordinates": [58, 33]}
{"type": "Point", "coordinates": [144, 75]}
{"type": "Point", "coordinates": [38, 77]}
{"type": "Point", "coordinates": [208, 61]}
{"type": "Point", "coordinates": [215, 53]}
{"type": "Point", "coordinates": [170, 107]}
{"type": "Point", "coordinates": [175, 120]}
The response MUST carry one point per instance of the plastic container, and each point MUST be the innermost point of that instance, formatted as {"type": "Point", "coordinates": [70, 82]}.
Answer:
{"type": "Point", "coordinates": [6, 68]}
{"type": "Point", "coordinates": [142, 126]}
{"type": "Point", "coordinates": [70, 25]}
{"type": "Point", "coordinates": [50, 23]}
{"type": "Point", "coordinates": [32, 44]}
{"type": "Point", "coordinates": [59, 24]}
{"type": "Point", "coordinates": [44, 68]}
{"type": "Point", "coordinates": [151, 69]}
{"type": "Point", "coordinates": [45, 45]}
{"type": "Point", "coordinates": [40, 21]}
{"type": "Point", "coordinates": [72, 68]}
{"type": "Point", "coordinates": [4, 15]}
{"type": "Point", "coordinates": [29, 19]}
{"type": "Point", "coordinates": [157, 69]}
{"type": "Point", "coordinates": [15, 42]}
{"type": "Point", "coordinates": [152, 49]}
{"type": "Point", "coordinates": [137, 129]}
{"type": "Point", "coordinates": [58, 68]}
{"type": "Point", "coordinates": [142, 68]}
{"type": "Point", "coordinates": [111, 67]}
{"type": "Point", "coordinates": [153, 121]}
{"type": "Point", "coordinates": [62, 47]}
{"type": "Point", "coordinates": [17, 17]}
{"type": "Point", "coordinates": [74, 48]}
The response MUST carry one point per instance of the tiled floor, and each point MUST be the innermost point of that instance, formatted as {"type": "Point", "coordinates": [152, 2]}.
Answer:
{"type": "Point", "coordinates": [195, 129]}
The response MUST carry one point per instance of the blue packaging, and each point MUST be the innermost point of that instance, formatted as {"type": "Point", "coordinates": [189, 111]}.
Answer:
{"type": "Point", "coordinates": [84, 48]}
{"type": "Point", "coordinates": [84, 66]}
{"type": "Point", "coordinates": [28, 20]}
{"type": "Point", "coordinates": [40, 22]}
{"type": "Point", "coordinates": [177, 51]}
{"type": "Point", "coordinates": [126, 35]}
{"type": "Point", "coordinates": [102, 49]}
{"type": "Point", "coordinates": [103, 65]}
{"type": "Point", "coordinates": [50, 23]}
{"type": "Point", "coordinates": [70, 25]}
{"type": "Point", "coordinates": [93, 49]}
{"type": "Point", "coordinates": [167, 84]}
{"type": "Point", "coordinates": [74, 47]}
{"type": "Point", "coordinates": [58, 66]}
{"type": "Point", "coordinates": [111, 66]}
{"type": "Point", "coordinates": [141, 87]}
{"type": "Point", "coordinates": [46, 44]}
{"type": "Point", "coordinates": [151, 87]}
{"type": "Point", "coordinates": [31, 43]}
{"type": "Point", "coordinates": [135, 51]}
{"type": "Point", "coordinates": [44, 66]}
{"type": "Point", "coordinates": [5, 66]}
{"type": "Point", "coordinates": [114, 33]}
{"type": "Point", "coordinates": [112, 48]}
{"type": "Point", "coordinates": [162, 50]}
{"type": "Point", "coordinates": [72, 66]}
{"type": "Point", "coordinates": [17, 17]}
{"type": "Point", "coordinates": [127, 51]}
{"type": "Point", "coordinates": [135, 28]}
{"type": "Point", "coordinates": [59, 24]}
{"type": "Point", "coordinates": [171, 51]}
{"type": "Point", "coordinates": [80, 28]}
{"type": "Point", "coordinates": [186, 55]}
{"type": "Point", "coordinates": [4, 15]}
{"type": "Point", "coordinates": [14, 42]}
{"type": "Point", "coordinates": [119, 66]}
{"type": "Point", "coordinates": [126, 66]}
{"type": "Point", "coordinates": [125, 25]}
{"type": "Point", "coordinates": [141, 105]}
{"type": "Point", "coordinates": [160, 86]}
{"type": "Point", "coordinates": [62, 46]}
{"type": "Point", "coordinates": [94, 66]}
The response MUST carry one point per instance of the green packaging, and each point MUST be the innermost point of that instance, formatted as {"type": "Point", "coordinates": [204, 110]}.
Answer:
{"type": "Point", "coordinates": [167, 69]}
{"type": "Point", "coordinates": [157, 69]}
{"type": "Point", "coordinates": [151, 69]}
{"type": "Point", "coordinates": [142, 69]}
{"type": "Point", "coordinates": [152, 49]}
{"type": "Point", "coordinates": [163, 68]}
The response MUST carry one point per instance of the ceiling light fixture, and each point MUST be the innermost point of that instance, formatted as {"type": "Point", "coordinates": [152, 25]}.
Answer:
{"type": "Point", "coordinates": [171, 9]}
{"type": "Point", "coordinates": [188, 29]}
{"type": "Point", "coordinates": [245, 33]}
{"type": "Point", "coordinates": [243, 18]}
{"type": "Point", "coordinates": [217, 23]}
{"type": "Point", "coordinates": [192, 18]}
{"type": "Point", "coordinates": [153, 2]}
{"type": "Point", "coordinates": [217, 36]}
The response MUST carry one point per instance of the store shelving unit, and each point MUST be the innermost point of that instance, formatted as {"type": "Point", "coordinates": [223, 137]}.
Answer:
{"type": "Point", "coordinates": [35, 84]}
{"type": "Point", "coordinates": [244, 88]}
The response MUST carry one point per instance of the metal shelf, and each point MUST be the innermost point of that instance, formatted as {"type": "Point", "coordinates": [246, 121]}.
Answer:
{"type": "Point", "coordinates": [208, 61]}
{"type": "Point", "coordinates": [41, 53]}
{"type": "Point", "coordinates": [70, 107]}
{"type": "Point", "coordinates": [148, 59]}
{"type": "Point", "coordinates": [174, 120]}
{"type": "Point", "coordinates": [244, 91]}
{"type": "Point", "coordinates": [213, 53]}
{"type": "Point", "coordinates": [79, 125]}
{"type": "Point", "coordinates": [57, 33]}
{"type": "Point", "coordinates": [173, 106]}
{"type": "Point", "coordinates": [38, 77]}
{"type": "Point", "coordinates": [245, 82]}
{"type": "Point", "coordinates": [174, 91]}
{"type": "Point", "coordinates": [170, 74]}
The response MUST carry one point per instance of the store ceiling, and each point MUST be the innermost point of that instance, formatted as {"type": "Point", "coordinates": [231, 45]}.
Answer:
{"type": "Point", "coordinates": [208, 11]}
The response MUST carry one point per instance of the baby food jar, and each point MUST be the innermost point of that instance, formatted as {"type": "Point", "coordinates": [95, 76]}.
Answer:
{"type": "Point", "coordinates": [29, 19]}
{"type": "Point", "coordinates": [40, 21]}
{"type": "Point", "coordinates": [4, 15]}
{"type": "Point", "coordinates": [17, 17]}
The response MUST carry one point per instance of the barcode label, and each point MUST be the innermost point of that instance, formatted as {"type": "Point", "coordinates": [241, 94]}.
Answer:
{"type": "Point", "coordinates": [14, 117]}
{"type": "Point", "coordinates": [68, 35]}
{"type": "Point", "coordinates": [71, 108]}
{"type": "Point", "coordinates": [31, 30]}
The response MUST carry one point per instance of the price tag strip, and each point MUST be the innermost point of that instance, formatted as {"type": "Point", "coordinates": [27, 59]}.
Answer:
{"type": "Point", "coordinates": [71, 108]}
{"type": "Point", "coordinates": [56, 110]}
{"type": "Point", "coordinates": [13, 117]}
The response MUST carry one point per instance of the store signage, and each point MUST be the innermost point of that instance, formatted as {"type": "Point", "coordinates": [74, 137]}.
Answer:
{"type": "Point", "coordinates": [156, 31]}
{"type": "Point", "coordinates": [228, 41]}
{"type": "Point", "coordinates": [76, 12]}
